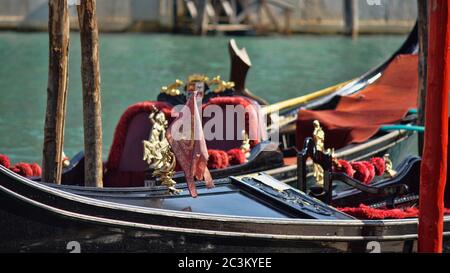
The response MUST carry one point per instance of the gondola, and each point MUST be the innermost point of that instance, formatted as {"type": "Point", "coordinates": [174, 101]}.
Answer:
{"type": "Point", "coordinates": [279, 162]}
{"type": "Point", "coordinates": [246, 211]}
{"type": "Point", "coordinates": [241, 214]}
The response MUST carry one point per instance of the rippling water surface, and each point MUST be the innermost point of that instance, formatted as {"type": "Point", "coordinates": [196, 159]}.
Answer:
{"type": "Point", "coordinates": [135, 66]}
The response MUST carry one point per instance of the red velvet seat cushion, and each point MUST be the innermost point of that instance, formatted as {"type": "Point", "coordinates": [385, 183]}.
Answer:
{"type": "Point", "coordinates": [251, 125]}
{"type": "Point", "coordinates": [125, 166]}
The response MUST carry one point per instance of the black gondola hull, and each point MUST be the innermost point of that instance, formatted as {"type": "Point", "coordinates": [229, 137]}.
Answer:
{"type": "Point", "coordinates": [38, 218]}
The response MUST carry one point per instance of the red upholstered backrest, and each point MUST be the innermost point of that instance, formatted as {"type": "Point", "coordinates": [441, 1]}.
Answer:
{"type": "Point", "coordinates": [358, 117]}
{"type": "Point", "coordinates": [125, 166]}
{"type": "Point", "coordinates": [251, 122]}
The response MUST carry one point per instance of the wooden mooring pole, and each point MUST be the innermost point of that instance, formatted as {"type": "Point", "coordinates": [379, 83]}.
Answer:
{"type": "Point", "coordinates": [90, 72]}
{"type": "Point", "coordinates": [433, 176]}
{"type": "Point", "coordinates": [202, 17]}
{"type": "Point", "coordinates": [174, 16]}
{"type": "Point", "coordinates": [58, 28]}
{"type": "Point", "coordinates": [351, 18]}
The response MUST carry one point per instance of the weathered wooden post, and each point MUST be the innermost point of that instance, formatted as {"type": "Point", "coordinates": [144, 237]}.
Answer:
{"type": "Point", "coordinates": [175, 16]}
{"type": "Point", "coordinates": [58, 29]}
{"type": "Point", "coordinates": [287, 21]}
{"type": "Point", "coordinates": [90, 73]}
{"type": "Point", "coordinates": [423, 51]}
{"type": "Point", "coordinates": [272, 17]}
{"type": "Point", "coordinates": [202, 17]}
{"type": "Point", "coordinates": [351, 18]}
{"type": "Point", "coordinates": [260, 19]}
{"type": "Point", "coordinates": [434, 161]}
{"type": "Point", "coordinates": [246, 9]}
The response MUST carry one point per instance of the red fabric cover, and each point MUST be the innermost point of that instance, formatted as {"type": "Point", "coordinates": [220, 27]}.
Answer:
{"type": "Point", "coordinates": [37, 171]}
{"type": "Point", "coordinates": [362, 173]}
{"type": "Point", "coordinates": [191, 152]}
{"type": "Point", "coordinates": [217, 159]}
{"type": "Point", "coordinates": [358, 117]}
{"type": "Point", "coordinates": [344, 167]}
{"type": "Point", "coordinates": [251, 122]}
{"type": "Point", "coordinates": [4, 161]}
{"type": "Point", "coordinates": [367, 213]}
{"type": "Point", "coordinates": [23, 169]}
{"type": "Point", "coordinates": [236, 157]}
{"type": "Point", "coordinates": [121, 171]}
{"type": "Point", "coordinates": [290, 161]}
{"type": "Point", "coordinates": [379, 165]}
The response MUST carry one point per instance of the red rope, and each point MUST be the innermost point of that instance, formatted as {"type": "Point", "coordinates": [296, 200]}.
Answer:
{"type": "Point", "coordinates": [22, 168]}
{"type": "Point", "coordinates": [364, 212]}
{"type": "Point", "coordinates": [4, 161]}
{"type": "Point", "coordinates": [364, 171]}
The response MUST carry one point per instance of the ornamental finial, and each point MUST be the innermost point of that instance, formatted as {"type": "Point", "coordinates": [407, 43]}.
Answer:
{"type": "Point", "coordinates": [172, 89]}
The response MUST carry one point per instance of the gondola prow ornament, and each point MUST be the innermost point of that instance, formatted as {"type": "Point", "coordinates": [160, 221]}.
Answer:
{"type": "Point", "coordinates": [157, 151]}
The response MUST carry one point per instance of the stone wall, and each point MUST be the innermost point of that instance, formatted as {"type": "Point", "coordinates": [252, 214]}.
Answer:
{"type": "Point", "coordinates": [309, 15]}
{"type": "Point", "coordinates": [327, 15]}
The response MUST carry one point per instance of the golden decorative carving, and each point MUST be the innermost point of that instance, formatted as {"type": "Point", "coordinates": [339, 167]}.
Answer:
{"type": "Point", "coordinates": [389, 169]}
{"type": "Point", "coordinates": [319, 140]}
{"type": "Point", "coordinates": [319, 136]}
{"type": "Point", "coordinates": [221, 85]}
{"type": "Point", "coordinates": [198, 78]}
{"type": "Point", "coordinates": [245, 147]}
{"type": "Point", "coordinates": [172, 89]}
{"type": "Point", "coordinates": [157, 151]}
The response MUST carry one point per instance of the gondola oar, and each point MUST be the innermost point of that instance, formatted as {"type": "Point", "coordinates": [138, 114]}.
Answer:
{"type": "Point", "coordinates": [290, 103]}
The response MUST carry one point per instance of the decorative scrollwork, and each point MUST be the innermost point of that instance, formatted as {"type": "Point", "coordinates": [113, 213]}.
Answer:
{"type": "Point", "coordinates": [245, 147]}
{"type": "Point", "coordinates": [221, 85]}
{"type": "Point", "coordinates": [173, 89]}
{"type": "Point", "coordinates": [157, 151]}
{"type": "Point", "coordinates": [319, 140]}
{"type": "Point", "coordinates": [198, 78]}
{"type": "Point", "coordinates": [389, 166]}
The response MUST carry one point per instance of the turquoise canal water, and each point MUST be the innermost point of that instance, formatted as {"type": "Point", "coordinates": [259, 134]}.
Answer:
{"type": "Point", "coordinates": [135, 66]}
